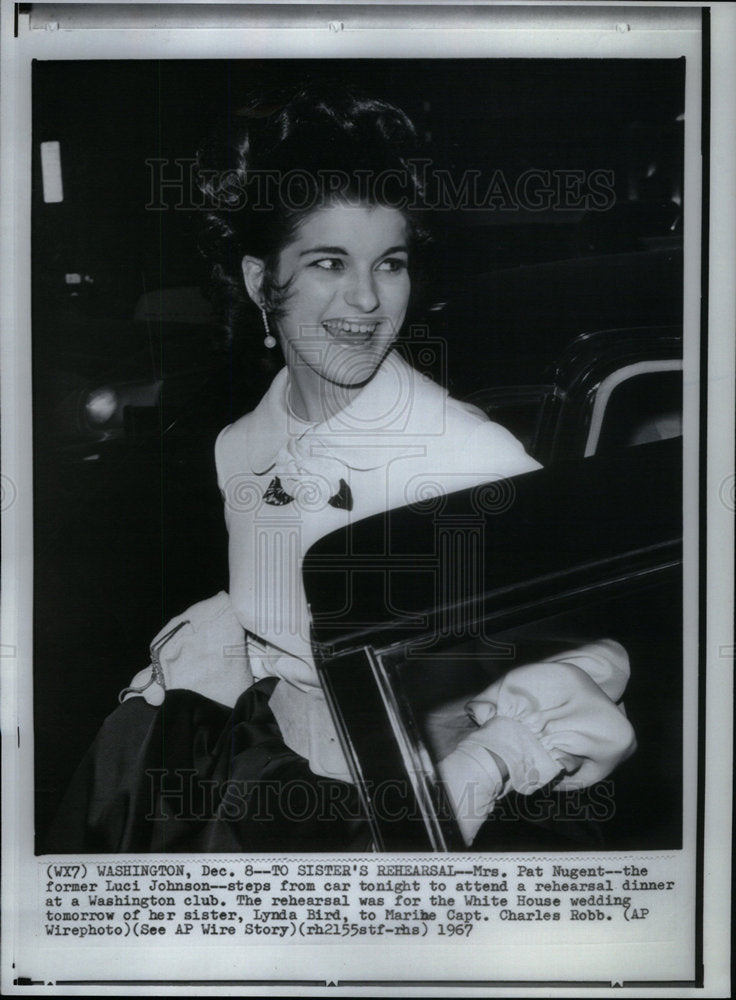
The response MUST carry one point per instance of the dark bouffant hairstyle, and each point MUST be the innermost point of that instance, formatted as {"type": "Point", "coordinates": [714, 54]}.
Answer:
{"type": "Point", "coordinates": [277, 160]}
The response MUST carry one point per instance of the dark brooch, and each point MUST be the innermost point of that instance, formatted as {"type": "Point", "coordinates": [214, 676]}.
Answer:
{"type": "Point", "coordinates": [277, 496]}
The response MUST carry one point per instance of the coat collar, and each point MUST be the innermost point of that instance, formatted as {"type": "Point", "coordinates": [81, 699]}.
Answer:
{"type": "Point", "coordinates": [393, 414]}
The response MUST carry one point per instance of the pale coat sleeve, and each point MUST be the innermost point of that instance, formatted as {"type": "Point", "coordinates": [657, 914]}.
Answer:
{"type": "Point", "coordinates": [230, 463]}
{"type": "Point", "coordinates": [491, 447]}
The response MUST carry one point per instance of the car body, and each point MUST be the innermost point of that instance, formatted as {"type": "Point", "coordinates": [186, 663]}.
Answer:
{"type": "Point", "coordinates": [540, 563]}
{"type": "Point", "coordinates": [91, 403]}
{"type": "Point", "coordinates": [609, 389]}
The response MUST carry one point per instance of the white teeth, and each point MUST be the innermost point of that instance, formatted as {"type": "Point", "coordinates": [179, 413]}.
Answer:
{"type": "Point", "coordinates": [345, 326]}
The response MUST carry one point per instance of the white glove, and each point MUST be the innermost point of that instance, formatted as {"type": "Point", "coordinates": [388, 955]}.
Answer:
{"type": "Point", "coordinates": [558, 716]}
{"type": "Point", "coordinates": [202, 650]}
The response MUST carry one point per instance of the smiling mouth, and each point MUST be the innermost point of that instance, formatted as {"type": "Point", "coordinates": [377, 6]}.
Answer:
{"type": "Point", "coordinates": [344, 329]}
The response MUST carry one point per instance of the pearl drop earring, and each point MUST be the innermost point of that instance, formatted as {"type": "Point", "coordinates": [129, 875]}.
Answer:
{"type": "Point", "coordinates": [269, 340]}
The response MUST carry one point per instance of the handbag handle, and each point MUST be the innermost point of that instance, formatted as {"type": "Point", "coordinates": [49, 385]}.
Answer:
{"type": "Point", "coordinates": [157, 673]}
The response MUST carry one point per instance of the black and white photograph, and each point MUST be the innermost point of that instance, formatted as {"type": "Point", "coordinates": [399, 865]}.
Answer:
{"type": "Point", "coordinates": [368, 404]}
{"type": "Point", "coordinates": [447, 350]}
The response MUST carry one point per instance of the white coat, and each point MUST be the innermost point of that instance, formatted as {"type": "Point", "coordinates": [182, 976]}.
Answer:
{"type": "Point", "coordinates": [401, 439]}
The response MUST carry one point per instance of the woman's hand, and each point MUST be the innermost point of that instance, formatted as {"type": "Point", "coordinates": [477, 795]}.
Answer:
{"type": "Point", "coordinates": [202, 650]}
{"type": "Point", "coordinates": [540, 722]}
{"type": "Point", "coordinates": [473, 777]}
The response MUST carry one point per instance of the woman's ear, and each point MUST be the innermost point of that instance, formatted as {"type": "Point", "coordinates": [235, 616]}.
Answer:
{"type": "Point", "coordinates": [253, 271]}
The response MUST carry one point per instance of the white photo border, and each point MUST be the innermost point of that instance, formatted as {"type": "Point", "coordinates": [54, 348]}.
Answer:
{"type": "Point", "coordinates": [77, 31]}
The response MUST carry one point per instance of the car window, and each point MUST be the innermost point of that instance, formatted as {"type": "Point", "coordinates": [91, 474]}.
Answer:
{"type": "Point", "coordinates": [517, 408]}
{"type": "Point", "coordinates": [636, 405]}
{"type": "Point", "coordinates": [432, 680]}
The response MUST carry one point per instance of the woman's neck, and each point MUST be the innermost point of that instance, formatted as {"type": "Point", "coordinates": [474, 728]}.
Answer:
{"type": "Point", "coordinates": [314, 399]}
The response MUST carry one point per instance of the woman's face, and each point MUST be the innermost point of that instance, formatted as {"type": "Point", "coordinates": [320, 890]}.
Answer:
{"type": "Point", "coordinates": [348, 292]}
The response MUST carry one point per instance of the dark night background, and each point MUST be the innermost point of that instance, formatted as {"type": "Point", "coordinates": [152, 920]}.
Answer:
{"type": "Point", "coordinates": [126, 538]}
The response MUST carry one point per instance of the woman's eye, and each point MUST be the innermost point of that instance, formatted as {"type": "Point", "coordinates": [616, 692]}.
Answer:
{"type": "Point", "coordinates": [329, 264]}
{"type": "Point", "coordinates": [392, 264]}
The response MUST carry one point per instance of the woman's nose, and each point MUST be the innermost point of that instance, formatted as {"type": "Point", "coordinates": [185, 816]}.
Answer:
{"type": "Point", "coordinates": [361, 292]}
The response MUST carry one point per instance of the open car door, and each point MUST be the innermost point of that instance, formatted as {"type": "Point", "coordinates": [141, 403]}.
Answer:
{"type": "Point", "coordinates": [418, 609]}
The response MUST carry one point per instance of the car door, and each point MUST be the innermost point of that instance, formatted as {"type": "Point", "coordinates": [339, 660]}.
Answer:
{"type": "Point", "coordinates": [417, 610]}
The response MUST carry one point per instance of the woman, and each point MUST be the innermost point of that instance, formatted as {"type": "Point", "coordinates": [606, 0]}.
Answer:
{"type": "Point", "coordinates": [323, 244]}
